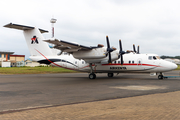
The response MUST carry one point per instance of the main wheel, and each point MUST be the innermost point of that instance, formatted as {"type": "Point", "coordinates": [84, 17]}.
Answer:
{"type": "Point", "coordinates": [110, 74]}
{"type": "Point", "coordinates": [160, 77]}
{"type": "Point", "coordinates": [92, 76]}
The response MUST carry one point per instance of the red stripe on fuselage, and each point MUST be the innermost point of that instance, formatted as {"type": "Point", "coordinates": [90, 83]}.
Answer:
{"type": "Point", "coordinates": [53, 62]}
{"type": "Point", "coordinates": [127, 64]}
{"type": "Point", "coordinates": [59, 65]}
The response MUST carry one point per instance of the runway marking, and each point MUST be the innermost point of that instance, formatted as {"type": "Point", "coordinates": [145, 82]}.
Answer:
{"type": "Point", "coordinates": [138, 87]}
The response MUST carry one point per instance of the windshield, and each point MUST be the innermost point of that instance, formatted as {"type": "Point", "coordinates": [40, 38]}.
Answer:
{"type": "Point", "coordinates": [154, 58]}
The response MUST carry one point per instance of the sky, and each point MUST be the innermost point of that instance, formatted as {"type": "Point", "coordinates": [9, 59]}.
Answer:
{"type": "Point", "coordinates": [154, 25]}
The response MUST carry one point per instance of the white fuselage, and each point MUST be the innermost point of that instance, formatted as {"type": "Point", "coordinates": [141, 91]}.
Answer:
{"type": "Point", "coordinates": [143, 63]}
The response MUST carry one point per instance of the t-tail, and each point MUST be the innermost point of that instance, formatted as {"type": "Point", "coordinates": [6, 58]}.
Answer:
{"type": "Point", "coordinates": [34, 39]}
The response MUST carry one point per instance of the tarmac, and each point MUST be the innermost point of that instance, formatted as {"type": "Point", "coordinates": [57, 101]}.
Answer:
{"type": "Point", "coordinates": [162, 104]}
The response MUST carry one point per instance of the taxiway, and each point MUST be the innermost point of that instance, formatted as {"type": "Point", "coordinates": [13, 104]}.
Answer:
{"type": "Point", "coordinates": [40, 90]}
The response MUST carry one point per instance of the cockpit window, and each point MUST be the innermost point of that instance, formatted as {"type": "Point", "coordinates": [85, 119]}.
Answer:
{"type": "Point", "coordinates": [153, 57]}
{"type": "Point", "coordinates": [158, 57]}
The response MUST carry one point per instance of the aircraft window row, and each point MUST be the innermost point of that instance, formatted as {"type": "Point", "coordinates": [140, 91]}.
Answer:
{"type": "Point", "coordinates": [116, 62]}
{"type": "Point", "coordinates": [123, 62]}
{"type": "Point", "coordinates": [153, 57]}
{"type": "Point", "coordinates": [83, 62]}
{"type": "Point", "coordinates": [132, 62]}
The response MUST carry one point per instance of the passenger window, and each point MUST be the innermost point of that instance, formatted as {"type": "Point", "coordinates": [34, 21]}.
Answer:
{"type": "Point", "coordinates": [129, 62]}
{"type": "Point", "coordinates": [75, 62]}
{"type": "Point", "coordinates": [115, 62]}
{"type": "Point", "coordinates": [133, 62]}
{"type": "Point", "coordinates": [150, 57]}
{"type": "Point", "coordinates": [118, 61]}
{"type": "Point", "coordinates": [82, 62]}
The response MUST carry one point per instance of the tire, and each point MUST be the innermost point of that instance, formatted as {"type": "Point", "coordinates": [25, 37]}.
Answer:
{"type": "Point", "coordinates": [110, 74]}
{"type": "Point", "coordinates": [160, 77]}
{"type": "Point", "coordinates": [92, 76]}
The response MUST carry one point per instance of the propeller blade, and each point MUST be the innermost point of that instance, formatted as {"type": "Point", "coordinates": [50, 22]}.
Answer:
{"type": "Point", "coordinates": [109, 50]}
{"type": "Point", "coordinates": [121, 52]}
{"type": "Point", "coordinates": [120, 45]}
{"type": "Point", "coordinates": [107, 40]}
{"type": "Point", "coordinates": [138, 50]}
{"type": "Point", "coordinates": [134, 48]}
{"type": "Point", "coordinates": [121, 59]}
{"type": "Point", "coordinates": [109, 61]}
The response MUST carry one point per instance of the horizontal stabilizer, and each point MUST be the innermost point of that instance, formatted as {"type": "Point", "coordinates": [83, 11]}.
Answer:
{"type": "Point", "coordinates": [22, 27]}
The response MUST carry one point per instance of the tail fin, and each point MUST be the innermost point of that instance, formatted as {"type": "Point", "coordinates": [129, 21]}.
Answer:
{"type": "Point", "coordinates": [34, 39]}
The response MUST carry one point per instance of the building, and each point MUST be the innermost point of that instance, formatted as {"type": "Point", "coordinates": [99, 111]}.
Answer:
{"type": "Point", "coordinates": [5, 56]}
{"type": "Point", "coordinates": [7, 59]}
{"type": "Point", "coordinates": [17, 60]}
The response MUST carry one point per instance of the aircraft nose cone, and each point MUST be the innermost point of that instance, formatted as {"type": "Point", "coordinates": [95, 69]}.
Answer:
{"type": "Point", "coordinates": [174, 66]}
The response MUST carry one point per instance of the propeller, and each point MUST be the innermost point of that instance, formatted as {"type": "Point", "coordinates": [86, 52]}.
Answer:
{"type": "Point", "coordinates": [121, 52]}
{"type": "Point", "coordinates": [134, 49]}
{"type": "Point", "coordinates": [109, 50]}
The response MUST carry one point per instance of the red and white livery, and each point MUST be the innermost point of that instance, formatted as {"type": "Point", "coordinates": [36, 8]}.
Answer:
{"type": "Point", "coordinates": [92, 60]}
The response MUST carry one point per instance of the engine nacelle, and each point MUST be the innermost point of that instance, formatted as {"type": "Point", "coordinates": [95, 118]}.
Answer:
{"type": "Point", "coordinates": [114, 56]}
{"type": "Point", "coordinates": [97, 53]}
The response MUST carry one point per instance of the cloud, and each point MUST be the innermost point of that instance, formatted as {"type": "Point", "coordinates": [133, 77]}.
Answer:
{"type": "Point", "coordinates": [154, 25]}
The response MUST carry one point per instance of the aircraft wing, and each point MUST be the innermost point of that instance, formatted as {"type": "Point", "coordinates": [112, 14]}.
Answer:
{"type": "Point", "coordinates": [68, 46]}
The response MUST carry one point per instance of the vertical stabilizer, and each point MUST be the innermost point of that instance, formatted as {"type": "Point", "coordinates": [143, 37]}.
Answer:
{"type": "Point", "coordinates": [34, 39]}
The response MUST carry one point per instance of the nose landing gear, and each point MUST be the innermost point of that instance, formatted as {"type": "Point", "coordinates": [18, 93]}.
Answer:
{"type": "Point", "coordinates": [160, 77]}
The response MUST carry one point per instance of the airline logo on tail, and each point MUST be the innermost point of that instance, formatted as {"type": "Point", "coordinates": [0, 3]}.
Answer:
{"type": "Point", "coordinates": [34, 40]}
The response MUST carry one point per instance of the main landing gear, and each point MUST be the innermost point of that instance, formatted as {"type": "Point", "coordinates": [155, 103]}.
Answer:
{"type": "Point", "coordinates": [92, 76]}
{"type": "Point", "coordinates": [110, 74]}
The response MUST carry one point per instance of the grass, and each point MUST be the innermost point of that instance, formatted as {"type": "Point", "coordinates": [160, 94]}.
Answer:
{"type": "Point", "coordinates": [178, 68]}
{"type": "Point", "coordinates": [34, 70]}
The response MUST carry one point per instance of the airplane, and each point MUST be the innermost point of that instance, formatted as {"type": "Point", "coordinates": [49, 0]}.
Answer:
{"type": "Point", "coordinates": [93, 60]}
